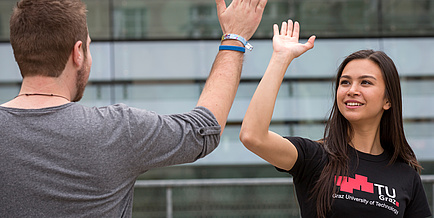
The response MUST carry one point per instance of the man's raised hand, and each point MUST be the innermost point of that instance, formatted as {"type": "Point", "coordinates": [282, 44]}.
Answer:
{"type": "Point", "coordinates": [241, 17]}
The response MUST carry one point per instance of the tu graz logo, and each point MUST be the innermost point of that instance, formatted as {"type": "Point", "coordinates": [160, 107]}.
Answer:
{"type": "Point", "coordinates": [360, 183]}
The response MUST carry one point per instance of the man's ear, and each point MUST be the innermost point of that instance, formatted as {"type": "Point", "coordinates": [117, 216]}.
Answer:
{"type": "Point", "coordinates": [77, 54]}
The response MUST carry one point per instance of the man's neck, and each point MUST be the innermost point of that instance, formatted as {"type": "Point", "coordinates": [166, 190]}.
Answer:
{"type": "Point", "coordinates": [40, 92]}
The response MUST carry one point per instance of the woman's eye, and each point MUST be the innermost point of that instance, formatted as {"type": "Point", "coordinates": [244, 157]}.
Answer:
{"type": "Point", "coordinates": [366, 82]}
{"type": "Point", "coordinates": [344, 82]}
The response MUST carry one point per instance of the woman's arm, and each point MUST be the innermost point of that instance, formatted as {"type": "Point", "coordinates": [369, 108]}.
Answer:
{"type": "Point", "coordinates": [254, 131]}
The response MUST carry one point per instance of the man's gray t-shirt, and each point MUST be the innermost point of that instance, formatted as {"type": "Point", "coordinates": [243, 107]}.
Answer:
{"type": "Point", "coordinates": [77, 161]}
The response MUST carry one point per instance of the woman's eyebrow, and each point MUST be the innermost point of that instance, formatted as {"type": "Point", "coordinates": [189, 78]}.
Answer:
{"type": "Point", "coordinates": [360, 77]}
{"type": "Point", "coordinates": [367, 77]}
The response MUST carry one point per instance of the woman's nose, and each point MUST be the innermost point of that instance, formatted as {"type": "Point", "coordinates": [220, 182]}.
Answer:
{"type": "Point", "coordinates": [354, 90]}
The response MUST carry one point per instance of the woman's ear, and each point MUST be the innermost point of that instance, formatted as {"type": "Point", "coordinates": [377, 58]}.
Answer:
{"type": "Point", "coordinates": [387, 105]}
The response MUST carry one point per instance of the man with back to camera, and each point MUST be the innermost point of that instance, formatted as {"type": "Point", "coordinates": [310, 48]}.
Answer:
{"type": "Point", "coordinates": [62, 159]}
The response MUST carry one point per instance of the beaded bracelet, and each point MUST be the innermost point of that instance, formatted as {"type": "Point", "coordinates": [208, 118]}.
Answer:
{"type": "Point", "coordinates": [232, 48]}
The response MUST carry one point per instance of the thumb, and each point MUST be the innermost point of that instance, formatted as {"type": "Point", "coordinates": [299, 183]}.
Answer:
{"type": "Point", "coordinates": [310, 42]}
{"type": "Point", "coordinates": [221, 6]}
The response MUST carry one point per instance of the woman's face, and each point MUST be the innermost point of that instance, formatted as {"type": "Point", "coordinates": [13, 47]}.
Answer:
{"type": "Point", "coordinates": [361, 92]}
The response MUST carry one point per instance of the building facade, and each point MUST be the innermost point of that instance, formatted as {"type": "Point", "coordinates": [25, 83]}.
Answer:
{"type": "Point", "coordinates": [156, 55]}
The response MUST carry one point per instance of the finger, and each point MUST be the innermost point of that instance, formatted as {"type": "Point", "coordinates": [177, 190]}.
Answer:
{"type": "Point", "coordinates": [254, 3]}
{"type": "Point", "coordinates": [284, 28]}
{"type": "Point", "coordinates": [221, 6]}
{"type": "Point", "coordinates": [276, 29]}
{"type": "Point", "coordinates": [296, 31]}
{"type": "Point", "coordinates": [310, 42]}
{"type": "Point", "coordinates": [237, 2]}
{"type": "Point", "coordinates": [290, 28]}
{"type": "Point", "coordinates": [261, 5]}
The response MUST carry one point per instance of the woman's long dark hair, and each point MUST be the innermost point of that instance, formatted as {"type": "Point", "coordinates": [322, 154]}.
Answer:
{"type": "Point", "coordinates": [338, 131]}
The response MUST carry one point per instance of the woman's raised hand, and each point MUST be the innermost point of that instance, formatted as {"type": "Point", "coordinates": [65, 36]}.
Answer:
{"type": "Point", "coordinates": [285, 41]}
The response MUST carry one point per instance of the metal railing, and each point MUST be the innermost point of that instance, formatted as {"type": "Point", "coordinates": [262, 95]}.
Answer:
{"type": "Point", "coordinates": [170, 184]}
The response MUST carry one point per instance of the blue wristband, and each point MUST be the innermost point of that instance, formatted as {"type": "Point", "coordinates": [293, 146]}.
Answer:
{"type": "Point", "coordinates": [232, 48]}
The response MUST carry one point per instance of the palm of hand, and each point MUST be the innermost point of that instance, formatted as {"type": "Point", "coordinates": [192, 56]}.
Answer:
{"type": "Point", "coordinates": [288, 45]}
{"type": "Point", "coordinates": [286, 42]}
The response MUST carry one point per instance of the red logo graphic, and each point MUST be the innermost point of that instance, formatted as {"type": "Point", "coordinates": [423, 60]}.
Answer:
{"type": "Point", "coordinates": [360, 183]}
{"type": "Point", "coordinates": [348, 184]}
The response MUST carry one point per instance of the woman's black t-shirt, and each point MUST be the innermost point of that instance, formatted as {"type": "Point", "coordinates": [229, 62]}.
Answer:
{"type": "Point", "coordinates": [373, 189]}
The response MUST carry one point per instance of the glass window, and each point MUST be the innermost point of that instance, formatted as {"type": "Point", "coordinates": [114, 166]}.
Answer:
{"type": "Point", "coordinates": [97, 95]}
{"type": "Point", "coordinates": [99, 19]}
{"type": "Point", "coordinates": [203, 22]}
{"type": "Point", "coordinates": [197, 19]}
{"type": "Point", "coordinates": [408, 17]}
{"type": "Point", "coordinates": [337, 18]}
{"type": "Point", "coordinates": [130, 23]}
{"type": "Point", "coordinates": [6, 7]}
{"type": "Point", "coordinates": [276, 11]}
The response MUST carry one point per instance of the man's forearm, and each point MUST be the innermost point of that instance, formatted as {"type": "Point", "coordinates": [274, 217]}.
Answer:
{"type": "Point", "coordinates": [222, 84]}
{"type": "Point", "coordinates": [241, 18]}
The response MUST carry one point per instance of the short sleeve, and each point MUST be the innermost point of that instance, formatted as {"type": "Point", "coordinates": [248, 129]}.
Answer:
{"type": "Point", "coordinates": [418, 206]}
{"type": "Point", "coordinates": [165, 140]}
{"type": "Point", "coordinates": [311, 158]}
{"type": "Point", "coordinates": [306, 170]}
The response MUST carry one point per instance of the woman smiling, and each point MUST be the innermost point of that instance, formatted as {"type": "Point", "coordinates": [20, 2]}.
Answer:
{"type": "Point", "coordinates": [364, 166]}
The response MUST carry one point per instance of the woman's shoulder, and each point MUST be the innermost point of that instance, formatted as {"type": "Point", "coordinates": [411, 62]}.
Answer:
{"type": "Point", "coordinates": [296, 140]}
{"type": "Point", "coordinates": [308, 148]}
{"type": "Point", "coordinates": [311, 159]}
{"type": "Point", "coordinates": [403, 168]}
